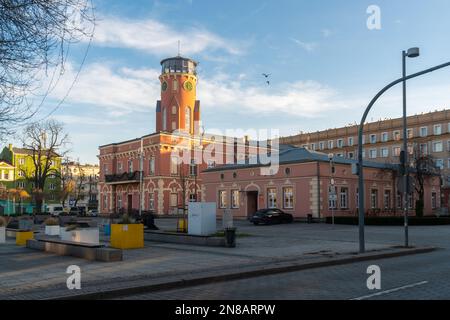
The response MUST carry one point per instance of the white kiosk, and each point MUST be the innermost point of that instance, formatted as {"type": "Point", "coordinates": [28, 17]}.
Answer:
{"type": "Point", "coordinates": [202, 218]}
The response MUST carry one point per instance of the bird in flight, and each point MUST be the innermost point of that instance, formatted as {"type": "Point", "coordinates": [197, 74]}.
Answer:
{"type": "Point", "coordinates": [268, 83]}
{"type": "Point", "coordinates": [266, 75]}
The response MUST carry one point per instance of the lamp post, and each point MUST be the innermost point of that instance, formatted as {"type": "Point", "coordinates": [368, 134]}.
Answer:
{"type": "Point", "coordinates": [360, 147]}
{"type": "Point", "coordinates": [411, 53]}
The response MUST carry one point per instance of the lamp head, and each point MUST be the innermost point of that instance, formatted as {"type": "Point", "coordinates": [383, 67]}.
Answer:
{"type": "Point", "coordinates": [413, 52]}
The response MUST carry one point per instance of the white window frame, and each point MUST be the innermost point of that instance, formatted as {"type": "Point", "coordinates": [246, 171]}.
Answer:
{"type": "Point", "coordinates": [384, 154]}
{"type": "Point", "coordinates": [343, 198]}
{"type": "Point", "coordinates": [235, 199]}
{"type": "Point", "coordinates": [288, 198]}
{"type": "Point", "coordinates": [222, 197]}
{"type": "Point", "coordinates": [373, 138]}
{"type": "Point", "coordinates": [423, 134]}
{"type": "Point", "coordinates": [437, 129]}
{"type": "Point", "coordinates": [271, 198]}
{"type": "Point", "coordinates": [350, 141]}
{"type": "Point", "coordinates": [385, 137]}
{"type": "Point", "coordinates": [371, 156]}
{"type": "Point", "coordinates": [435, 143]}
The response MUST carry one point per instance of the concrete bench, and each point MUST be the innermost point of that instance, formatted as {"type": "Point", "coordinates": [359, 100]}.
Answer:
{"type": "Point", "coordinates": [182, 238]}
{"type": "Point", "coordinates": [93, 252]}
{"type": "Point", "coordinates": [11, 233]}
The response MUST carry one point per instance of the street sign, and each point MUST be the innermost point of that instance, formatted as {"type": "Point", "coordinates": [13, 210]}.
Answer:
{"type": "Point", "coordinates": [410, 184]}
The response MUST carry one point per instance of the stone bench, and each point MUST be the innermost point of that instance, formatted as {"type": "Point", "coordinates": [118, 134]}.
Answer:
{"type": "Point", "coordinates": [182, 238]}
{"type": "Point", "coordinates": [11, 233]}
{"type": "Point", "coordinates": [93, 252]}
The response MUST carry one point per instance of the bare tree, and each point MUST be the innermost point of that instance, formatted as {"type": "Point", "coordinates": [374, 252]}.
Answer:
{"type": "Point", "coordinates": [423, 167]}
{"type": "Point", "coordinates": [45, 141]}
{"type": "Point", "coordinates": [66, 181]}
{"type": "Point", "coordinates": [35, 36]}
{"type": "Point", "coordinates": [80, 180]}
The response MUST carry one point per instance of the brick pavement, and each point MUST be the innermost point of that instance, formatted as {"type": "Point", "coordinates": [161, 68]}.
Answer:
{"type": "Point", "coordinates": [25, 273]}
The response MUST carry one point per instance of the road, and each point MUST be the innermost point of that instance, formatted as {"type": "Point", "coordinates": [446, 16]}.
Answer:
{"type": "Point", "coordinates": [423, 276]}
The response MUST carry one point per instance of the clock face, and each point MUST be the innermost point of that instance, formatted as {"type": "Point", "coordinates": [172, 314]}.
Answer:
{"type": "Point", "coordinates": [188, 86]}
{"type": "Point", "coordinates": [164, 86]}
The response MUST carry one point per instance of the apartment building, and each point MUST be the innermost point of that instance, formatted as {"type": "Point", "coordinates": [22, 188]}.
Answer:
{"type": "Point", "coordinates": [428, 133]}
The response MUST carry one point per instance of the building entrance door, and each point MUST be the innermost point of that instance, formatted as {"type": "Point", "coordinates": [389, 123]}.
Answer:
{"type": "Point", "coordinates": [252, 203]}
{"type": "Point", "coordinates": [130, 204]}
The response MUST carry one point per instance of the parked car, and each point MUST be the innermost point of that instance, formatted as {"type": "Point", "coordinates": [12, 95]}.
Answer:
{"type": "Point", "coordinates": [56, 210]}
{"type": "Point", "coordinates": [92, 213]}
{"type": "Point", "coordinates": [271, 216]}
{"type": "Point", "coordinates": [82, 211]}
{"type": "Point", "coordinates": [74, 211]}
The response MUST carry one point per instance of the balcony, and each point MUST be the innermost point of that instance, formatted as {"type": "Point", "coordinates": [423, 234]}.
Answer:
{"type": "Point", "coordinates": [132, 177]}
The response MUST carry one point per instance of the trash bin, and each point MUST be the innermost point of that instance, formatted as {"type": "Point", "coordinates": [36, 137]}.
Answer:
{"type": "Point", "coordinates": [309, 218]}
{"type": "Point", "coordinates": [107, 229]}
{"type": "Point", "coordinates": [230, 237]}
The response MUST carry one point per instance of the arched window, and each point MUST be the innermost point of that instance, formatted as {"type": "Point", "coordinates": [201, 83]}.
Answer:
{"type": "Point", "coordinates": [164, 119]}
{"type": "Point", "coordinates": [187, 119]}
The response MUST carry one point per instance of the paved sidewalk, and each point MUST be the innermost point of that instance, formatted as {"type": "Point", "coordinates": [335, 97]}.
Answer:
{"type": "Point", "coordinates": [28, 274]}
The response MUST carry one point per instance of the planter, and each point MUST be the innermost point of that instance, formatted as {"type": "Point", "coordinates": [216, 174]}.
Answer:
{"type": "Point", "coordinates": [52, 230]}
{"type": "Point", "coordinates": [86, 235]}
{"type": "Point", "coordinates": [2, 234]}
{"type": "Point", "coordinates": [127, 236]}
{"type": "Point", "coordinates": [26, 224]}
{"type": "Point", "coordinates": [23, 236]}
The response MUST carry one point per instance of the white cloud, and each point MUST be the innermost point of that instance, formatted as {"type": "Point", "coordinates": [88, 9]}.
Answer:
{"type": "Point", "coordinates": [308, 46]}
{"type": "Point", "coordinates": [298, 99]}
{"type": "Point", "coordinates": [121, 91]}
{"type": "Point", "coordinates": [124, 90]}
{"type": "Point", "coordinates": [157, 38]}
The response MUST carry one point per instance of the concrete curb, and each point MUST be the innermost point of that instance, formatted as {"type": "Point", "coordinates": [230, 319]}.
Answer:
{"type": "Point", "coordinates": [243, 273]}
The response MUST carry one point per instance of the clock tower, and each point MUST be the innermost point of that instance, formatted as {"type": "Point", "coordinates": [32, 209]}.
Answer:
{"type": "Point", "coordinates": [178, 108]}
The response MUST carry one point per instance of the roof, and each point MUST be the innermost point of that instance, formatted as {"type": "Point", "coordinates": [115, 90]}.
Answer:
{"type": "Point", "coordinates": [179, 58]}
{"type": "Point", "coordinates": [289, 154]}
{"type": "Point", "coordinates": [28, 151]}
{"type": "Point", "coordinates": [4, 163]}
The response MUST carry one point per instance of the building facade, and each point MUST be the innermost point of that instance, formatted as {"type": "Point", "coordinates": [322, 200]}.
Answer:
{"type": "Point", "coordinates": [84, 184]}
{"type": "Point", "coordinates": [428, 134]}
{"type": "Point", "coordinates": [307, 182]}
{"type": "Point", "coordinates": [159, 172]}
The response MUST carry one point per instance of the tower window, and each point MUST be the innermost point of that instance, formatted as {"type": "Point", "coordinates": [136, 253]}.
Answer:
{"type": "Point", "coordinates": [164, 119]}
{"type": "Point", "coordinates": [174, 110]}
{"type": "Point", "coordinates": [175, 85]}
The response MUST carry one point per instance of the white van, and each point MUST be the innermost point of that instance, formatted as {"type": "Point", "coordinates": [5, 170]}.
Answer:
{"type": "Point", "coordinates": [55, 209]}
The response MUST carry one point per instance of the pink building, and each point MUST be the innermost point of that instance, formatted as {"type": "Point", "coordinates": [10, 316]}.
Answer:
{"type": "Point", "coordinates": [304, 185]}
{"type": "Point", "coordinates": [147, 173]}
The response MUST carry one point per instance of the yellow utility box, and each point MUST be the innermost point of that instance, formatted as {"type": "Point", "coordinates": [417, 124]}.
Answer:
{"type": "Point", "coordinates": [182, 225]}
{"type": "Point", "coordinates": [23, 236]}
{"type": "Point", "coordinates": [127, 236]}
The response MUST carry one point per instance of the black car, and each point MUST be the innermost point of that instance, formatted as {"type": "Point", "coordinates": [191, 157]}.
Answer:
{"type": "Point", "coordinates": [270, 216]}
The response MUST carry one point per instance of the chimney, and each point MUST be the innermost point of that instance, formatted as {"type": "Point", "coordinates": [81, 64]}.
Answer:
{"type": "Point", "coordinates": [10, 147]}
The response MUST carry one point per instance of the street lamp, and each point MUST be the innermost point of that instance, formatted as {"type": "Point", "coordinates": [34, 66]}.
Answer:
{"type": "Point", "coordinates": [411, 53]}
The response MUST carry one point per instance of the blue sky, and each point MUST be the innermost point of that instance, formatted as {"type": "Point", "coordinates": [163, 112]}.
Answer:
{"type": "Point", "coordinates": [325, 64]}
